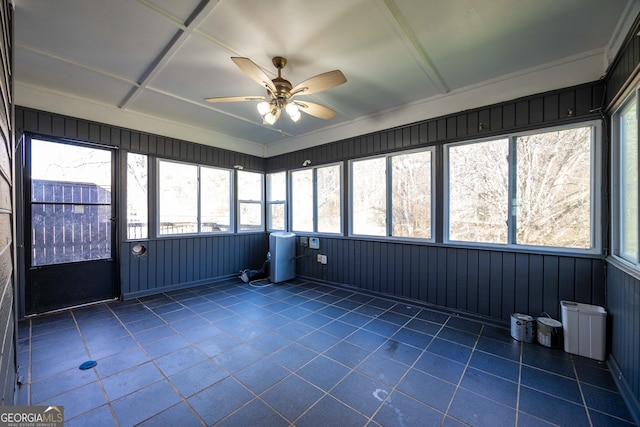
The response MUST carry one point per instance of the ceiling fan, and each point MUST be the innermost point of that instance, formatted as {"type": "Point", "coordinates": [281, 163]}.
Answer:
{"type": "Point", "coordinates": [280, 92]}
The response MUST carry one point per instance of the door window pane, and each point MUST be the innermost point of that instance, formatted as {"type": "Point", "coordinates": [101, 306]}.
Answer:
{"type": "Point", "coordinates": [137, 196]}
{"type": "Point", "coordinates": [411, 195]}
{"type": "Point", "coordinates": [73, 174]}
{"type": "Point", "coordinates": [215, 203]}
{"type": "Point", "coordinates": [70, 203]}
{"type": "Point", "coordinates": [553, 195]}
{"type": "Point", "coordinates": [178, 198]}
{"type": "Point", "coordinates": [478, 191]}
{"type": "Point", "coordinates": [62, 233]}
{"type": "Point", "coordinates": [369, 197]}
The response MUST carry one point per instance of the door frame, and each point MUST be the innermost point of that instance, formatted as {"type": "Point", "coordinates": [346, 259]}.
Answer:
{"type": "Point", "coordinates": [23, 217]}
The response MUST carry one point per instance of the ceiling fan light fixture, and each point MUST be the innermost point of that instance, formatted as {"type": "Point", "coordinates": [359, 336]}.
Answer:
{"type": "Point", "coordinates": [280, 90]}
{"type": "Point", "coordinates": [270, 118]}
{"type": "Point", "coordinates": [293, 111]}
{"type": "Point", "coordinates": [263, 108]}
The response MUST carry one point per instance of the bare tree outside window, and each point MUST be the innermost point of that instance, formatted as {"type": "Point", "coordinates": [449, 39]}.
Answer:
{"type": "Point", "coordinates": [553, 196]}
{"type": "Point", "coordinates": [411, 195]}
{"type": "Point", "coordinates": [478, 191]}
{"type": "Point", "coordinates": [369, 197]}
{"type": "Point", "coordinates": [137, 196]}
{"type": "Point", "coordinates": [329, 199]}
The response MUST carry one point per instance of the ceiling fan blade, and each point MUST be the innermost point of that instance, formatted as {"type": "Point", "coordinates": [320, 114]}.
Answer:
{"type": "Point", "coordinates": [319, 83]}
{"type": "Point", "coordinates": [235, 99]}
{"type": "Point", "coordinates": [252, 70]}
{"type": "Point", "coordinates": [315, 110]}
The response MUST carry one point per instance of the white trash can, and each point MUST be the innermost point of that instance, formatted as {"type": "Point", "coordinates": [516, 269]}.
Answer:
{"type": "Point", "coordinates": [584, 329]}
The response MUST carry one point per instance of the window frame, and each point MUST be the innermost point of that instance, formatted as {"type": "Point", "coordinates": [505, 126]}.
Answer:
{"type": "Point", "coordinates": [199, 232]}
{"type": "Point", "coordinates": [290, 204]}
{"type": "Point", "coordinates": [148, 226]}
{"type": "Point", "coordinates": [389, 196]}
{"type": "Point", "coordinates": [617, 187]}
{"type": "Point", "coordinates": [595, 192]}
{"type": "Point", "coordinates": [270, 202]}
{"type": "Point", "coordinates": [240, 202]}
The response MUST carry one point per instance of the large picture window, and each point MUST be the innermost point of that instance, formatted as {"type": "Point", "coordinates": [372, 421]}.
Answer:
{"type": "Point", "coordinates": [535, 189]}
{"type": "Point", "coordinates": [193, 199]}
{"type": "Point", "coordinates": [316, 199]}
{"type": "Point", "coordinates": [392, 195]}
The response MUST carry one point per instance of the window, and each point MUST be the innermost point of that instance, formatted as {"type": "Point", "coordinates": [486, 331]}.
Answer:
{"type": "Point", "coordinates": [478, 191]}
{"type": "Point", "coordinates": [215, 204]}
{"type": "Point", "coordinates": [193, 199]}
{"type": "Point", "coordinates": [250, 201]}
{"type": "Point", "coordinates": [316, 199]}
{"type": "Point", "coordinates": [276, 200]}
{"type": "Point", "coordinates": [392, 195]}
{"type": "Point", "coordinates": [625, 181]}
{"type": "Point", "coordinates": [534, 189]}
{"type": "Point", "coordinates": [177, 198]}
{"type": "Point", "coordinates": [553, 200]}
{"type": "Point", "coordinates": [137, 196]}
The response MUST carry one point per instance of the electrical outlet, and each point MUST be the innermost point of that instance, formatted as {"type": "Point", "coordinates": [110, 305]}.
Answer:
{"type": "Point", "coordinates": [319, 258]}
{"type": "Point", "coordinates": [324, 259]}
{"type": "Point", "coordinates": [304, 241]}
{"type": "Point", "coordinates": [314, 243]}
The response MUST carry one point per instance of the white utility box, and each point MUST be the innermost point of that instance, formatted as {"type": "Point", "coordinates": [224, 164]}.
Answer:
{"type": "Point", "coordinates": [584, 329]}
{"type": "Point", "coordinates": [282, 247]}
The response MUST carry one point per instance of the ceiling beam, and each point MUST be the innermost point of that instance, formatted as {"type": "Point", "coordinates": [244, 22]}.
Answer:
{"type": "Point", "coordinates": [406, 34]}
{"type": "Point", "coordinates": [197, 16]}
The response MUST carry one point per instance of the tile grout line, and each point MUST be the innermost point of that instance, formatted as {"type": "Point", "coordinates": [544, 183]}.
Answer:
{"type": "Point", "coordinates": [520, 362]}
{"type": "Point", "coordinates": [152, 360]}
{"type": "Point", "coordinates": [99, 380]}
{"type": "Point", "coordinates": [584, 400]}
{"type": "Point", "coordinates": [464, 371]}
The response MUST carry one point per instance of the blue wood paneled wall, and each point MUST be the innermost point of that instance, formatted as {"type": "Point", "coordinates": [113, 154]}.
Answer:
{"type": "Point", "coordinates": [487, 283]}
{"type": "Point", "coordinates": [623, 305]}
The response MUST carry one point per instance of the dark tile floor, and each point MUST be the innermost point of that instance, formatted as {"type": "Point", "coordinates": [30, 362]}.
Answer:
{"type": "Point", "coordinates": [302, 354]}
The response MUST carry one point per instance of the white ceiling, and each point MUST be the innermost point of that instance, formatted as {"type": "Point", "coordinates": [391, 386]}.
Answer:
{"type": "Point", "coordinates": [149, 64]}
